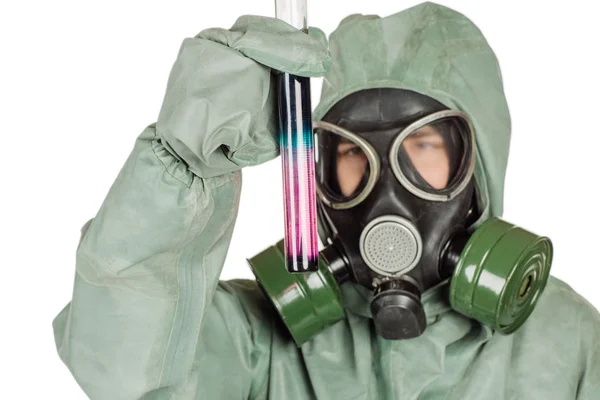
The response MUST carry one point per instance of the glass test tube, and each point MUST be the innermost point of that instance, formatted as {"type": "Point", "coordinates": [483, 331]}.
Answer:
{"type": "Point", "coordinates": [297, 156]}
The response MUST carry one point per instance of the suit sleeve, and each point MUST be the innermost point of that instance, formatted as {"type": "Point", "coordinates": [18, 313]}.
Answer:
{"type": "Point", "coordinates": [147, 269]}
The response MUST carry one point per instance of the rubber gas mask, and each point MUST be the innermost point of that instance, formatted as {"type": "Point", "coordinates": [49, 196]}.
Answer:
{"type": "Point", "coordinates": [396, 201]}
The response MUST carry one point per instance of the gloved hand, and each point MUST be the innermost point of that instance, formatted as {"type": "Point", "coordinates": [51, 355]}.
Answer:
{"type": "Point", "coordinates": [220, 108]}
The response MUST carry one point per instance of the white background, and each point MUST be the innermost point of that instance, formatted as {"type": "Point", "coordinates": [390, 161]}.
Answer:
{"type": "Point", "coordinates": [79, 80]}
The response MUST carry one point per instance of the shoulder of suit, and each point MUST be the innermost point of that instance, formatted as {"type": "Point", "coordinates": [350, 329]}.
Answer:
{"type": "Point", "coordinates": [560, 308]}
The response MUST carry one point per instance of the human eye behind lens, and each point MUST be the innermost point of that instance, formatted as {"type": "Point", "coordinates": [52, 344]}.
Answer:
{"type": "Point", "coordinates": [349, 150]}
{"type": "Point", "coordinates": [428, 145]}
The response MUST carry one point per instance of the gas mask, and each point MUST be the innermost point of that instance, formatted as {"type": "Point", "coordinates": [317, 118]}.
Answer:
{"type": "Point", "coordinates": [396, 202]}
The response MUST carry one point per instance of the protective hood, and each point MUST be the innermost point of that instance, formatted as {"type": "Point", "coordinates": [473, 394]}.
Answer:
{"type": "Point", "coordinates": [438, 52]}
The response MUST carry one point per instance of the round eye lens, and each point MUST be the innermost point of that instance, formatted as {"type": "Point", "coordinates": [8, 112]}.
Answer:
{"type": "Point", "coordinates": [436, 157]}
{"type": "Point", "coordinates": [351, 167]}
{"type": "Point", "coordinates": [429, 156]}
{"type": "Point", "coordinates": [343, 165]}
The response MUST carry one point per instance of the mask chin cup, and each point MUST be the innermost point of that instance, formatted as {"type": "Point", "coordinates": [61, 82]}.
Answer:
{"type": "Point", "coordinates": [307, 303]}
{"type": "Point", "coordinates": [500, 275]}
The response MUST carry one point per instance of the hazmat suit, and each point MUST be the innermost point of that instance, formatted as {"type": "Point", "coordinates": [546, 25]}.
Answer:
{"type": "Point", "coordinates": [149, 318]}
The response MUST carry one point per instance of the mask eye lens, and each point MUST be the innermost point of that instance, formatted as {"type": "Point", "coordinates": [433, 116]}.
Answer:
{"type": "Point", "coordinates": [429, 156]}
{"type": "Point", "coordinates": [351, 168]}
{"type": "Point", "coordinates": [435, 157]}
{"type": "Point", "coordinates": [343, 165]}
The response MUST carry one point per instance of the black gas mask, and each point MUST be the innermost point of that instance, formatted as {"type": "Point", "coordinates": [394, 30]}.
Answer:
{"type": "Point", "coordinates": [394, 179]}
{"type": "Point", "coordinates": [396, 198]}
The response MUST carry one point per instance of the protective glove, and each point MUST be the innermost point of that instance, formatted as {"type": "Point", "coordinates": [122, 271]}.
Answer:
{"type": "Point", "coordinates": [220, 108]}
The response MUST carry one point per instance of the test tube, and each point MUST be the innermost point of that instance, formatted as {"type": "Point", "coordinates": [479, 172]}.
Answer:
{"type": "Point", "coordinates": [297, 156]}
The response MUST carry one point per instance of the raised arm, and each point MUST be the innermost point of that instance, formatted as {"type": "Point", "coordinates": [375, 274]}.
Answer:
{"type": "Point", "coordinates": [148, 264]}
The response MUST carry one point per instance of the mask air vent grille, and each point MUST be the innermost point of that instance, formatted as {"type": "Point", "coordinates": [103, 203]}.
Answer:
{"type": "Point", "coordinates": [390, 245]}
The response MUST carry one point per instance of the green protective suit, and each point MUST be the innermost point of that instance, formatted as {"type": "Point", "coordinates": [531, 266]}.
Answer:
{"type": "Point", "coordinates": [149, 318]}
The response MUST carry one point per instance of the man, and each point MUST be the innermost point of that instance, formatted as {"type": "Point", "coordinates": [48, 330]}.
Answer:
{"type": "Point", "coordinates": [413, 132]}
